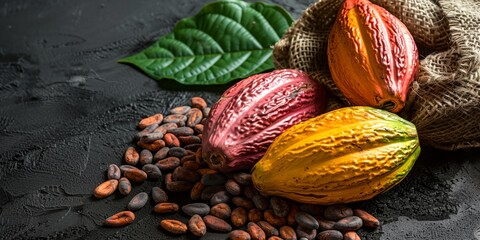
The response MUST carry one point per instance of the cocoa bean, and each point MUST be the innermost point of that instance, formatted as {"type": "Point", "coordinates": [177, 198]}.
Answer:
{"type": "Point", "coordinates": [209, 191]}
{"type": "Point", "coordinates": [176, 118]}
{"type": "Point", "coordinates": [174, 226]}
{"type": "Point", "coordinates": [261, 202]}
{"type": "Point", "coordinates": [256, 232]}
{"type": "Point", "coordinates": [135, 175]}
{"type": "Point", "coordinates": [184, 174]}
{"type": "Point", "coordinates": [213, 179]}
{"type": "Point", "coordinates": [120, 219]}
{"type": "Point", "coordinates": [161, 154]}
{"type": "Point", "coordinates": [193, 147]}
{"type": "Point", "coordinates": [192, 165]}
{"type": "Point", "coordinates": [191, 209]}
{"type": "Point", "coordinates": [337, 212]}
{"type": "Point", "coordinates": [220, 197]}
{"type": "Point", "coordinates": [330, 235]}
{"type": "Point", "coordinates": [221, 210]}
{"type": "Point", "coordinates": [203, 171]}
{"type": "Point", "coordinates": [279, 206]}
{"type": "Point", "coordinates": [153, 146]}
{"type": "Point", "coordinates": [306, 220]}
{"type": "Point", "coordinates": [268, 228]}
{"type": "Point", "coordinates": [239, 235]}
{"type": "Point", "coordinates": [159, 195]}
{"type": "Point", "coordinates": [197, 226]}
{"type": "Point", "coordinates": [182, 110]}
{"type": "Point", "coordinates": [273, 219]}
{"type": "Point", "coordinates": [113, 172]}
{"type": "Point", "coordinates": [324, 224]}
{"type": "Point", "coordinates": [181, 131]}
{"type": "Point", "coordinates": [275, 238]}
{"type": "Point", "coordinates": [196, 191]}
{"type": "Point", "coordinates": [199, 158]}
{"type": "Point", "coordinates": [198, 128]}
{"type": "Point", "coordinates": [314, 210]}
{"type": "Point", "coordinates": [124, 168]}
{"type": "Point", "coordinates": [255, 215]}
{"type": "Point", "coordinates": [368, 220]}
{"type": "Point", "coordinates": [165, 127]}
{"type": "Point", "coordinates": [148, 129]}
{"type": "Point", "coordinates": [152, 171]}
{"type": "Point", "coordinates": [239, 217]}
{"type": "Point", "coordinates": [150, 137]}
{"type": "Point", "coordinates": [131, 156]}
{"type": "Point", "coordinates": [351, 235]}
{"type": "Point", "coordinates": [106, 188]}
{"type": "Point", "coordinates": [198, 102]}
{"type": "Point", "coordinates": [288, 233]}
{"type": "Point", "coordinates": [138, 201]}
{"type": "Point", "coordinates": [146, 157]}
{"type": "Point", "coordinates": [168, 163]}
{"type": "Point", "coordinates": [294, 209]}
{"type": "Point", "coordinates": [233, 187]}
{"type": "Point", "coordinates": [176, 186]}
{"type": "Point", "coordinates": [305, 233]}
{"type": "Point", "coordinates": [217, 224]}
{"type": "Point", "coordinates": [350, 223]}
{"type": "Point", "coordinates": [243, 178]}
{"type": "Point", "coordinates": [124, 186]}
{"type": "Point", "coordinates": [177, 152]}
{"type": "Point", "coordinates": [194, 117]}
{"type": "Point", "coordinates": [244, 202]}
{"type": "Point", "coordinates": [171, 140]}
{"type": "Point", "coordinates": [187, 140]}
{"type": "Point", "coordinates": [166, 207]}
{"type": "Point", "coordinates": [205, 112]}
{"type": "Point", "coordinates": [154, 119]}
{"type": "Point", "coordinates": [188, 158]}
{"type": "Point", "coordinates": [249, 191]}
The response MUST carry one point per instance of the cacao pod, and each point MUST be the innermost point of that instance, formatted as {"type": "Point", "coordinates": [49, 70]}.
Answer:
{"type": "Point", "coordinates": [250, 114]}
{"type": "Point", "coordinates": [372, 56]}
{"type": "Point", "coordinates": [346, 155]}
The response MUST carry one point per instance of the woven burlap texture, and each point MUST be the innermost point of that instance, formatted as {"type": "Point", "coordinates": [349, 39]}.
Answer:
{"type": "Point", "coordinates": [444, 102]}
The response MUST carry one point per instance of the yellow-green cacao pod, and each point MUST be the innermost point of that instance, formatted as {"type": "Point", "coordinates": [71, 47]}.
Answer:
{"type": "Point", "coordinates": [346, 155]}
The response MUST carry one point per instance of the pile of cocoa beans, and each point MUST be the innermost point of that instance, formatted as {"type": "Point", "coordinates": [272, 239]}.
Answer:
{"type": "Point", "coordinates": [168, 150]}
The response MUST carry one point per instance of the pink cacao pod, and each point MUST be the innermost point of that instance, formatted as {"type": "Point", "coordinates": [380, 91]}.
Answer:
{"type": "Point", "coordinates": [252, 113]}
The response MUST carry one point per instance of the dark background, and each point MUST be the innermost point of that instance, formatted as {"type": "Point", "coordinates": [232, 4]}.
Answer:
{"type": "Point", "coordinates": [68, 110]}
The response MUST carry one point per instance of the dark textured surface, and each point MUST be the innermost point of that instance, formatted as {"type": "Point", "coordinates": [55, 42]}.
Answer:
{"type": "Point", "coordinates": [68, 110]}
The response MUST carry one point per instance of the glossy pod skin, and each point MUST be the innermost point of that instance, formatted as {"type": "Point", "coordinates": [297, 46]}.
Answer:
{"type": "Point", "coordinates": [346, 155]}
{"type": "Point", "coordinates": [372, 56]}
{"type": "Point", "coordinates": [250, 114]}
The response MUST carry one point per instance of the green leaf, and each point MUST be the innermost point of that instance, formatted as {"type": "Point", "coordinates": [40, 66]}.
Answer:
{"type": "Point", "coordinates": [226, 40]}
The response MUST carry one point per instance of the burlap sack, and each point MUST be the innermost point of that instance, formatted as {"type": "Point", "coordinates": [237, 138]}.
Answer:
{"type": "Point", "coordinates": [444, 102]}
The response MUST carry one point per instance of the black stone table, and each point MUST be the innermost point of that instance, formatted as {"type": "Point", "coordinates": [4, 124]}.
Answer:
{"type": "Point", "coordinates": [68, 110]}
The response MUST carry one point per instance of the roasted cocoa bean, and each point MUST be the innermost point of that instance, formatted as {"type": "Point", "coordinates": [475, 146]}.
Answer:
{"type": "Point", "coordinates": [196, 191]}
{"type": "Point", "coordinates": [124, 186]}
{"type": "Point", "coordinates": [350, 223]}
{"type": "Point", "coordinates": [261, 202]}
{"type": "Point", "coordinates": [166, 207]}
{"type": "Point", "coordinates": [217, 224]}
{"type": "Point", "coordinates": [294, 209]}
{"type": "Point", "coordinates": [203, 171]}
{"type": "Point", "coordinates": [324, 224]}
{"type": "Point", "coordinates": [184, 174]}
{"type": "Point", "coordinates": [124, 168]}
{"type": "Point", "coordinates": [305, 233]}
{"type": "Point", "coordinates": [131, 156]}
{"type": "Point", "coordinates": [120, 219]}
{"type": "Point", "coordinates": [193, 147]}
{"type": "Point", "coordinates": [288, 233]}
{"type": "Point", "coordinates": [279, 206]}
{"type": "Point", "coordinates": [161, 154]}
{"type": "Point", "coordinates": [233, 187]}
{"type": "Point", "coordinates": [178, 119]}
{"type": "Point", "coordinates": [368, 220]}
{"type": "Point", "coordinates": [330, 235]}
{"type": "Point", "coordinates": [256, 232]}
{"type": "Point", "coordinates": [148, 129]}
{"type": "Point", "coordinates": [220, 197]}
{"type": "Point", "coordinates": [157, 118]}
{"type": "Point", "coordinates": [198, 102]}
{"type": "Point", "coordinates": [194, 117]}
{"type": "Point", "coordinates": [268, 228]}
{"type": "Point", "coordinates": [187, 140]}
{"type": "Point", "coordinates": [182, 110]}
{"type": "Point", "coordinates": [255, 215]}
{"type": "Point", "coordinates": [239, 217]}
{"type": "Point", "coordinates": [138, 201]}
{"type": "Point", "coordinates": [188, 158]}
{"type": "Point", "coordinates": [176, 186]}
{"type": "Point", "coordinates": [239, 235]}
{"type": "Point", "coordinates": [135, 175]}
{"type": "Point", "coordinates": [113, 172]}
{"type": "Point", "coordinates": [159, 195]}
{"type": "Point", "coordinates": [192, 165]}
{"type": "Point", "coordinates": [197, 226]}
{"type": "Point", "coordinates": [221, 210]}
{"type": "Point", "coordinates": [181, 131]}
{"type": "Point", "coordinates": [244, 202]}
{"type": "Point", "coordinates": [177, 152]}
{"type": "Point", "coordinates": [306, 220]}
{"type": "Point", "coordinates": [337, 212]}
{"type": "Point", "coordinates": [171, 140]}
{"type": "Point", "coordinates": [249, 191]}
{"type": "Point", "coordinates": [275, 238]}
{"type": "Point", "coordinates": [153, 146]}
{"type": "Point", "coordinates": [169, 163]}
{"type": "Point", "coordinates": [199, 158]}
{"type": "Point", "coordinates": [191, 209]}
{"type": "Point", "coordinates": [209, 191]}
{"type": "Point", "coordinates": [174, 226]}
{"type": "Point", "coordinates": [213, 179]}
{"type": "Point", "coordinates": [146, 157]}
{"type": "Point", "coordinates": [273, 219]}
{"type": "Point", "coordinates": [106, 188]}
{"type": "Point", "coordinates": [313, 209]}
{"type": "Point", "coordinates": [153, 172]}
{"type": "Point", "coordinates": [243, 178]}
{"type": "Point", "coordinates": [198, 128]}
{"type": "Point", "coordinates": [165, 127]}
{"type": "Point", "coordinates": [150, 137]}
{"type": "Point", "coordinates": [205, 112]}
{"type": "Point", "coordinates": [351, 235]}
